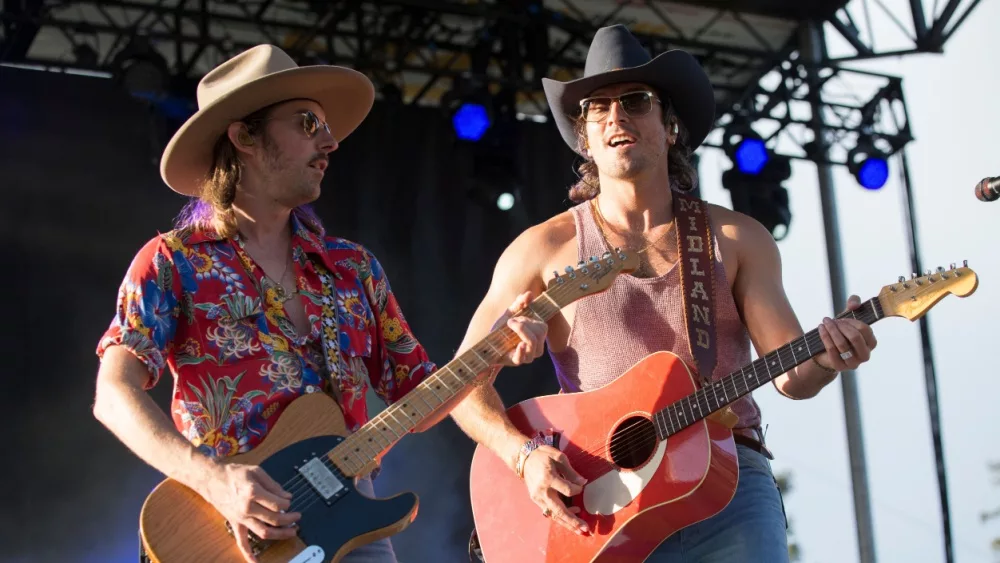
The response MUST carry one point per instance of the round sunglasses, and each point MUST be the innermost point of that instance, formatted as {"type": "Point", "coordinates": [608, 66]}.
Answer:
{"type": "Point", "coordinates": [311, 123]}
{"type": "Point", "coordinates": [634, 104]}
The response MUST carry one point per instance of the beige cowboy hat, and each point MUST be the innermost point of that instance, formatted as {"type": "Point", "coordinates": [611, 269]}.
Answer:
{"type": "Point", "coordinates": [252, 80]}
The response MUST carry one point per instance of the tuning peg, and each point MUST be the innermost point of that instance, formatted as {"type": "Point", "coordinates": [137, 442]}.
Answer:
{"type": "Point", "coordinates": [555, 273]}
{"type": "Point", "coordinates": [606, 255]}
{"type": "Point", "coordinates": [593, 258]}
{"type": "Point", "coordinates": [913, 276]}
{"type": "Point", "coordinates": [951, 266]}
{"type": "Point", "coordinates": [940, 269]}
{"type": "Point", "coordinates": [965, 263]}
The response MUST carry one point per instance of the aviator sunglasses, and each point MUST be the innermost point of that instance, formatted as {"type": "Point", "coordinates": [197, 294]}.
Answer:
{"type": "Point", "coordinates": [634, 104]}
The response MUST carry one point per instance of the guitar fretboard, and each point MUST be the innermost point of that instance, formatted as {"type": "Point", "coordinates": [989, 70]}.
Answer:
{"type": "Point", "coordinates": [728, 389]}
{"type": "Point", "coordinates": [359, 450]}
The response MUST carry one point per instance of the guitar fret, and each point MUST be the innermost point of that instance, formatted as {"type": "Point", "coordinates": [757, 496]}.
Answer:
{"type": "Point", "coordinates": [555, 305]}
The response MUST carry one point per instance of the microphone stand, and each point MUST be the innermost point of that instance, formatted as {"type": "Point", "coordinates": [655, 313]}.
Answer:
{"type": "Point", "coordinates": [930, 376]}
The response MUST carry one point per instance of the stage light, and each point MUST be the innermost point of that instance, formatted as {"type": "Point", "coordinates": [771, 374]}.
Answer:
{"type": "Point", "coordinates": [471, 121]}
{"type": "Point", "coordinates": [873, 173]}
{"type": "Point", "coordinates": [505, 201]}
{"type": "Point", "coordinates": [869, 164]}
{"type": "Point", "coordinates": [761, 195]}
{"type": "Point", "coordinates": [751, 155]}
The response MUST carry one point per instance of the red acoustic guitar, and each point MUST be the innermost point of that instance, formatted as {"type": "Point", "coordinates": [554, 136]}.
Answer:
{"type": "Point", "coordinates": [656, 450]}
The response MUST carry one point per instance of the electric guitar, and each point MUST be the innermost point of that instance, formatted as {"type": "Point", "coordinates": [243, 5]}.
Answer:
{"type": "Point", "coordinates": [656, 449]}
{"type": "Point", "coordinates": [310, 453]}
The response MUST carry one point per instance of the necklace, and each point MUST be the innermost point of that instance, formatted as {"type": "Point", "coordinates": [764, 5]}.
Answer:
{"type": "Point", "coordinates": [281, 293]}
{"type": "Point", "coordinates": [645, 269]}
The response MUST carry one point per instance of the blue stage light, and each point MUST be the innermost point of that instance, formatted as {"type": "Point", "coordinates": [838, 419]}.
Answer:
{"type": "Point", "coordinates": [470, 122]}
{"type": "Point", "coordinates": [751, 156]}
{"type": "Point", "coordinates": [873, 173]}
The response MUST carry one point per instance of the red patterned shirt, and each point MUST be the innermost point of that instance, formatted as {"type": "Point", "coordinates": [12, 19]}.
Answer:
{"type": "Point", "coordinates": [198, 305]}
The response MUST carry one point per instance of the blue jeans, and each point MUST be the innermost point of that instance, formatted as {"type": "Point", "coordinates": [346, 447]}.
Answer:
{"type": "Point", "coordinates": [378, 551]}
{"type": "Point", "coordinates": [750, 528]}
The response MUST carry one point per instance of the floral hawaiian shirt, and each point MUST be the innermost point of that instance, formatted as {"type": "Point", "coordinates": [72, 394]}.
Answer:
{"type": "Point", "coordinates": [198, 305]}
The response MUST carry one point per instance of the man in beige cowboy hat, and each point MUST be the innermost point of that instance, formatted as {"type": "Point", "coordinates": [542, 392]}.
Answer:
{"type": "Point", "coordinates": [634, 120]}
{"type": "Point", "coordinates": [248, 302]}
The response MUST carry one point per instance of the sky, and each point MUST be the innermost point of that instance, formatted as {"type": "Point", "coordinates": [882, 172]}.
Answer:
{"type": "Point", "coordinates": [954, 111]}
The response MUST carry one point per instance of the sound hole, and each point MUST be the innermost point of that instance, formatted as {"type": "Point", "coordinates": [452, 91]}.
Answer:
{"type": "Point", "coordinates": [633, 442]}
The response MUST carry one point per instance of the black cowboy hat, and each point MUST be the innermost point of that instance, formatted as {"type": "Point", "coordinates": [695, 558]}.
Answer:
{"type": "Point", "coordinates": [616, 56]}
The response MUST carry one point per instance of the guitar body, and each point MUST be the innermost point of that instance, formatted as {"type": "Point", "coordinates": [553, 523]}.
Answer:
{"type": "Point", "coordinates": [177, 525]}
{"type": "Point", "coordinates": [667, 485]}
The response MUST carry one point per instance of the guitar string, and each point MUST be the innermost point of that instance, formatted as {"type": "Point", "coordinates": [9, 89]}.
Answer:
{"type": "Point", "coordinates": [627, 440]}
{"type": "Point", "coordinates": [728, 384]}
{"type": "Point", "coordinates": [508, 338]}
{"type": "Point", "coordinates": [637, 433]}
{"type": "Point", "coordinates": [631, 439]}
{"type": "Point", "coordinates": [640, 434]}
{"type": "Point", "coordinates": [298, 481]}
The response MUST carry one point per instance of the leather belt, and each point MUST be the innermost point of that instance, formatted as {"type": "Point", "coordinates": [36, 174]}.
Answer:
{"type": "Point", "coordinates": [749, 437]}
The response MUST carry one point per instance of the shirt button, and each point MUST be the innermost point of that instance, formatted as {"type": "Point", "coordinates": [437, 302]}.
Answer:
{"type": "Point", "coordinates": [310, 389]}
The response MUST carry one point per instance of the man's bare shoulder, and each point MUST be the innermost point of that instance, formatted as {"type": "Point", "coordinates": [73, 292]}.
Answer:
{"type": "Point", "coordinates": [738, 227]}
{"type": "Point", "coordinates": [550, 235]}
{"type": "Point", "coordinates": [534, 251]}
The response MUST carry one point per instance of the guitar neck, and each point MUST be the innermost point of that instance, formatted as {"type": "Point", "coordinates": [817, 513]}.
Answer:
{"type": "Point", "coordinates": [732, 387]}
{"type": "Point", "coordinates": [362, 448]}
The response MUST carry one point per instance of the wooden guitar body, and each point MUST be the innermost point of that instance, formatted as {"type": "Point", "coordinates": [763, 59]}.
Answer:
{"type": "Point", "coordinates": [178, 526]}
{"type": "Point", "coordinates": [666, 486]}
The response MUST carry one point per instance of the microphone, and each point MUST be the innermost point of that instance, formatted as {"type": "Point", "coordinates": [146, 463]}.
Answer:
{"type": "Point", "coordinates": [988, 189]}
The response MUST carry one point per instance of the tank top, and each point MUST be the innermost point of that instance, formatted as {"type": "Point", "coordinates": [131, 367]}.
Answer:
{"type": "Point", "coordinates": [635, 317]}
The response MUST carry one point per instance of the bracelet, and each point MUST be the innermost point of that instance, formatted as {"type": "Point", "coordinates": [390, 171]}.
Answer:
{"type": "Point", "coordinates": [522, 456]}
{"type": "Point", "coordinates": [824, 368]}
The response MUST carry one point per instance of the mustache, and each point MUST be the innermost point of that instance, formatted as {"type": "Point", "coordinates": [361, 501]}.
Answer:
{"type": "Point", "coordinates": [319, 158]}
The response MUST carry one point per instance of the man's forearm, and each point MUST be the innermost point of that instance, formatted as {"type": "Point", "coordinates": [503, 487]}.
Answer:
{"type": "Point", "coordinates": [132, 416]}
{"type": "Point", "coordinates": [483, 418]}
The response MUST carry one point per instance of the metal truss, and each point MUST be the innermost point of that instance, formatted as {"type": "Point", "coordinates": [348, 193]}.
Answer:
{"type": "Point", "coordinates": [419, 51]}
{"type": "Point", "coordinates": [917, 28]}
{"type": "Point", "coordinates": [416, 46]}
{"type": "Point", "coordinates": [856, 107]}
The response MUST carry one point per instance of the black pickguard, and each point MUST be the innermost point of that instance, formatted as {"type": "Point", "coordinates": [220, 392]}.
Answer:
{"type": "Point", "coordinates": [347, 516]}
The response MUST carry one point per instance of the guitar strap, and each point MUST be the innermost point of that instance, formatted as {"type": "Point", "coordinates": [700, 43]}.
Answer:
{"type": "Point", "coordinates": [330, 333]}
{"type": "Point", "coordinates": [696, 253]}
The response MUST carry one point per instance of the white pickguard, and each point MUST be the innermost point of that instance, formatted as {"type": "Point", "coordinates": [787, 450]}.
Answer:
{"type": "Point", "coordinates": [614, 490]}
{"type": "Point", "coordinates": [311, 554]}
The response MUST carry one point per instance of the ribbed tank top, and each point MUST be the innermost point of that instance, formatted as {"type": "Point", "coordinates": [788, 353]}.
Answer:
{"type": "Point", "coordinates": [635, 317]}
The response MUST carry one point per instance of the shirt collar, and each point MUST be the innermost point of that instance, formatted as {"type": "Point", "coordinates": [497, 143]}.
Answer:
{"type": "Point", "coordinates": [307, 234]}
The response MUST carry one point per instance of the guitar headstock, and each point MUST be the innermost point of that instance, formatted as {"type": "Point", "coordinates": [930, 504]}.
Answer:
{"type": "Point", "coordinates": [588, 278]}
{"type": "Point", "coordinates": [912, 298]}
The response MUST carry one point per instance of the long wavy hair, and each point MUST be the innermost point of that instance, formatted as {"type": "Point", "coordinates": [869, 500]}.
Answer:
{"type": "Point", "coordinates": [212, 210]}
{"type": "Point", "coordinates": [683, 176]}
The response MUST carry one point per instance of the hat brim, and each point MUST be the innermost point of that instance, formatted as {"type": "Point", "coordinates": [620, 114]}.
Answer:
{"type": "Point", "coordinates": [674, 74]}
{"type": "Point", "coordinates": [345, 95]}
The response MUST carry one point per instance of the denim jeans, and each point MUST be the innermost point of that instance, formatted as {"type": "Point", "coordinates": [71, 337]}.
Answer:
{"type": "Point", "coordinates": [378, 551]}
{"type": "Point", "coordinates": [752, 527]}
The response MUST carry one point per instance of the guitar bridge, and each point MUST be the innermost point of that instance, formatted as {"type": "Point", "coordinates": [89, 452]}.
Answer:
{"type": "Point", "coordinates": [323, 481]}
{"type": "Point", "coordinates": [257, 545]}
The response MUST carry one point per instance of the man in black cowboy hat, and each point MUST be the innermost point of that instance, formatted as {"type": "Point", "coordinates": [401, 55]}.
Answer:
{"type": "Point", "coordinates": [635, 121]}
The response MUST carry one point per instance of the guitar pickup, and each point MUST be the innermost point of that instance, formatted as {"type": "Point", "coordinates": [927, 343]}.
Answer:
{"type": "Point", "coordinates": [323, 481]}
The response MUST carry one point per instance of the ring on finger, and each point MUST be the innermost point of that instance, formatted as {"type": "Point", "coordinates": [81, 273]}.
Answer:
{"type": "Point", "coordinates": [846, 355]}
